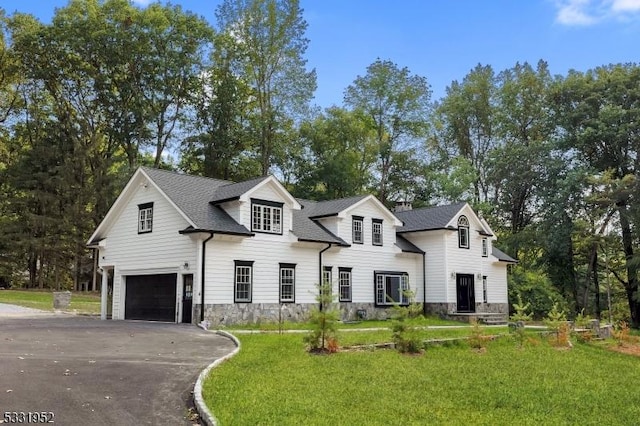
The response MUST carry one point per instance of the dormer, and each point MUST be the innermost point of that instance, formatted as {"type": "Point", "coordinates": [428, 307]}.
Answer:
{"type": "Point", "coordinates": [262, 205]}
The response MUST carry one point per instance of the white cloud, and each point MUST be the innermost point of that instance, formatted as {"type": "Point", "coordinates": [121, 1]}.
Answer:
{"type": "Point", "coordinates": [575, 12]}
{"type": "Point", "coordinates": [591, 12]}
{"type": "Point", "coordinates": [622, 6]}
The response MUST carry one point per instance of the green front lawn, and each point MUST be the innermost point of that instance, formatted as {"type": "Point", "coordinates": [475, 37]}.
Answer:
{"type": "Point", "coordinates": [287, 325]}
{"type": "Point", "coordinates": [274, 381]}
{"type": "Point", "coordinates": [87, 303]}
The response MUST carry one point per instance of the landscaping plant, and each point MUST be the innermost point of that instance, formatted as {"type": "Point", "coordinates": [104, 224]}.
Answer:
{"type": "Point", "coordinates": [519, 317]}
{"type": "Point", "coordinates": [406, 334]}
{"type": "Point", "coordinates": [556, 321]}
{"type": "Point", "coordinates": [323, 320]}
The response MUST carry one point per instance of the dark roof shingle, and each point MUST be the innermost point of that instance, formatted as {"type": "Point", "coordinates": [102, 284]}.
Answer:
{"type": "Point", "coordinates": [502, 256]}
{"type": "Point", "coordinates": [191, 194]}
{"type": "Point", "coordinates": [428, 218]}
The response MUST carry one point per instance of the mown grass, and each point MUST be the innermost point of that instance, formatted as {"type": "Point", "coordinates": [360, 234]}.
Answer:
{"type": "Point", "coordinates": [287, 325]}
{"type": "Point", "coordinates": [87, 303]}
{"type": "Point", "coordinates": [274, 381]}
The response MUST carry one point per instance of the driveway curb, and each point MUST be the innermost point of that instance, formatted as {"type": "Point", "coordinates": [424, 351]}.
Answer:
{"type": "Point", "coordinates": [205, 414]}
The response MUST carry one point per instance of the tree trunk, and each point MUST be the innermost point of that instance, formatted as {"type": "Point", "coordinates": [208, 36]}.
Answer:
{"type": "Point", "coordinates": [632, 270]}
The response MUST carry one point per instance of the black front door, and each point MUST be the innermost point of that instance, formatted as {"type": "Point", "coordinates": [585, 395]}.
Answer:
{"type": "Point", "coordinates": [466, 293]}
{"type": "Point", "coordinates": [187, 297]}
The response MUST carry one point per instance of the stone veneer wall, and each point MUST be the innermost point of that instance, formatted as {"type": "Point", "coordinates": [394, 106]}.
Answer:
{"type": "Point", "coordinates": [492, 308]}
{"type": "Point", "coordinates": [253, 313]}
{"type": "Point", "coordinates": [444, 309]}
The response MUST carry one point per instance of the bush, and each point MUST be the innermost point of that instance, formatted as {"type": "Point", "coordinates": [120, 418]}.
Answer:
{"type": "Point", "coordinates": [534, 288]}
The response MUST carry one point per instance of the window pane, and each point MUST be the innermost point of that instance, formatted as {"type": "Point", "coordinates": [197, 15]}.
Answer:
{"type": "Point", "coordinates": [276, 223]}
{"type": "Point", "coordinates": [345, 286]}
{"type": "Point", "coordinates": [243, 283]}
{"type": "Point", "coordinates": [257, 221]}
{"type": "Point", "coordinates": [287, 276]}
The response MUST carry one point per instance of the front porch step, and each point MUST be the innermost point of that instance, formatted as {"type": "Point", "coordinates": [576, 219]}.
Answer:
{"type": "Point", "coordinates": [487, 318]}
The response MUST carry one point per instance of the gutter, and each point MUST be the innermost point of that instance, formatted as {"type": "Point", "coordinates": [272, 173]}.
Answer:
{"type": "Point", "coordinates": [320, 267]}
{"type": "Point", "coordinates": [424, 284]}
{"type": "Point", "coordinates": [202, 270]}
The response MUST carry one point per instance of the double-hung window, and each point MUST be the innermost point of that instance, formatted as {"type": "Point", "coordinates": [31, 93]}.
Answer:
{"type": "Point", "coordinates": [266, 216]}
{"type": "Point", "coordinates": [344, 284]}
{"type": "Point", "coordinates": [287, 282]}
{"type": "Point", "coordinates": [243, 281]}
{"type": "Point", "coordinates": [376, 232]}
{"type": "Point", "coordinates": [327, 278]}
{"type": "Point", "coordinates": [357, 228]}
{"type": "Point", "coordinates": [391, 288]}
{"type": "Point", "coordinates": [484, 288]}
{"type": "Point", "coordinates": [463, 232]}
{"type": "Point", "coordinates": [485, 247]}
{"type": "Point", "coordinates": [145, 218]}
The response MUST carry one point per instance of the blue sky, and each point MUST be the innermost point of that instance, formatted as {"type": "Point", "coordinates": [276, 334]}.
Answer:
{"type": "Point", "coordinates": [443, 40]}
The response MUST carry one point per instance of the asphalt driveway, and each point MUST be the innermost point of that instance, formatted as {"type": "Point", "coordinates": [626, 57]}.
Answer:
{"type": "Point", "coordinates": [87, 371]}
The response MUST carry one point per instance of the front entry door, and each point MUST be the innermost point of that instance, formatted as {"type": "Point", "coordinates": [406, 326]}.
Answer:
{"type": "Point", "coordinates": [187, 297]}
{"type": "Point", "coordinates": [466, 293]}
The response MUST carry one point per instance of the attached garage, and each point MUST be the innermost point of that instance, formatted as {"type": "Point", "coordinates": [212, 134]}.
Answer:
{"type": "Point", "coordinates": [150, 297]}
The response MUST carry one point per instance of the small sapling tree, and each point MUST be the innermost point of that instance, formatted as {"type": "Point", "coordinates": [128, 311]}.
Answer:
{"type": "Point", "coordinates": [405, 332]}
{"type": "Point", "coordinates": [518, 318]}
{"type": "Point", "coordinates": [323, 319]}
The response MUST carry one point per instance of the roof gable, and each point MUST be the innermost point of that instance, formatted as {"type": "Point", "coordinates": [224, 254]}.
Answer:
{"type": "Point", "coordinates": [140, 177]}
{"type": "Point", "coordinates": [381, 207]}
{"type": "Point", "coordinates": [428, 218]}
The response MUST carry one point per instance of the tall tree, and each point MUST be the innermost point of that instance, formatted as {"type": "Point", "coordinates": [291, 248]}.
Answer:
{"type": "Point", "coordinates": [398, 104]}
{"type": "Point", "coordinates": [601, 112]}
{"type": "Point", "coordinates": [467, 119]}
{"type": "Point", "coordinates": [221, 107]}
{"type": "Point", "coordinates": [271, 36]}
{"type": "Point", "coordinates": [339, 148]}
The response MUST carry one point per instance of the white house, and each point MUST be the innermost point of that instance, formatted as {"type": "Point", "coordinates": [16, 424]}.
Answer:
{"type": "Point", "coordinates": [249, 251]}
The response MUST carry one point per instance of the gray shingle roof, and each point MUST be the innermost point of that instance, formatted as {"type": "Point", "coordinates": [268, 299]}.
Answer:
{"type": "Point", "coordinates": [407, 246]}
{"type": "Point", "coordinates": [330, 207]}
{"type": "Point", "coordinates": [232, 191]}
{"type": "Point", "coordinates": [192, 195]}
{"type": "Point", "coordinates": [307, 229]}
{"type": "Point", "coordinates": [427, 218]}
{"type": "Point", "coordinates": [502, 256]}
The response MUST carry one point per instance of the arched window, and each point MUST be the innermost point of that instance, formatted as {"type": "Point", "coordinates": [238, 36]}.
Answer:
{"type": "Point", "coordinates": [463, 232]}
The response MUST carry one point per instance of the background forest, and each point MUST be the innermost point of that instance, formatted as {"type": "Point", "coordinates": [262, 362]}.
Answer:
{"type": "Point", "coordinates": [550, 160]}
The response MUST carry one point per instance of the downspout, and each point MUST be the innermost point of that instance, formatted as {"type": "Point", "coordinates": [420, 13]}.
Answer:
{"type": "Point", "coordinates": [320, 267]}
{"type": "Point", "coordinates": [424, 284]}
{"type": "Point", "coordinates": [202, 269]}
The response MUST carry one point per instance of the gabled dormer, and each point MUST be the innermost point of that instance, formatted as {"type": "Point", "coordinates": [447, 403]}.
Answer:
{"type": "Point", "coordinates": [262, 205]}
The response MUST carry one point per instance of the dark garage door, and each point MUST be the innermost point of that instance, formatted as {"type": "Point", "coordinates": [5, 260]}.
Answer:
{"type": "Point", "coordinates": [151, 297]}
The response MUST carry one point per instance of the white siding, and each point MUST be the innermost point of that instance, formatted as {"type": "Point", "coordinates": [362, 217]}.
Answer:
{"type": "Point", "coordinates": [444, 258]}
{"type": "Point", "coordinates": [163, 249]}
{"type": "Point", "coordinates": [267, 252]}
{"type": "Point", "coordinates": [433, 243]}
{"type": "Point", "coordinates": [470, 261]}
{"type": "Point", "coordinates": [269, 193]}
{"type": "Point", "coordinates": [366, 258]}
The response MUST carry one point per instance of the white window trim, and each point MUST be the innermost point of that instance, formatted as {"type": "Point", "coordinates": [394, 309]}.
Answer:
{"type": "Point", "coordinates": [344, 282]}
{"type": "Point", "coordinates": [239, 266]}
{"type": "Point", "coordinates": [145, 218]}
{"type": "Point", "coordinates": [266, 218]}
{"type": "Point", "coordinates": [357, 222]}
{"type": "Point", "coordinates": [376, 223]}
{"type": "Point", "coordinates": [291, 269]}
{"type": "Point", "coordinates": [463, 232]}
{"type": "Point", "coordinates": [380, 281]}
